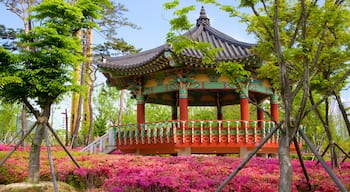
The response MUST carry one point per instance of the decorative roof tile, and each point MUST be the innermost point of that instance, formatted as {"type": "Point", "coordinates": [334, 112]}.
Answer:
{"type": "Point", "coordinates": [155, 60]}
{"type": "Point", "coordinates": [135, 60]}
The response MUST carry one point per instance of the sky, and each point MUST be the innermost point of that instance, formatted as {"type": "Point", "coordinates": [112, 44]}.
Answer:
{"type": "Point", "coordinates": [154, 23]}
{"type": "Point", "coordinates": [153, 20]}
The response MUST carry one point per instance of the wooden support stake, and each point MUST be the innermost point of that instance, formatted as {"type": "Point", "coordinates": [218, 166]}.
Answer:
{"type": "Point", "coordinates": [64, 147]}
{"type": "Point", "coordinates": [247, 159]}
{"type": "Point", "coordinates": [346, 155]}
{"type": "Point", "coordinates": [13, 139]}
{"type": "Point", "coordinates": [296, 144]}
{"type": "Point", "coordinates": [324, 152]}
{"type": "Point", "coordinates": [323, 163]}
{"type": "Point", "coordinates": [18, 144]}
{"type": "Point", "coordinates": [52, 168]}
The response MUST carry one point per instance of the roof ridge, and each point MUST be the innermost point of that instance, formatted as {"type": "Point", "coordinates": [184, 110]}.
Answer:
{"type": "Point", "coordinates": [157, 49]}
{"type": "Point", "coordinates": [223, 36]}
{"type": "Point", "coordinates": [203, 19]}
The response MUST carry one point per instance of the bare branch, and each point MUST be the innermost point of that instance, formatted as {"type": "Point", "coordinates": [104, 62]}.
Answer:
{"type": "Point", "coordinates": [330, 91]}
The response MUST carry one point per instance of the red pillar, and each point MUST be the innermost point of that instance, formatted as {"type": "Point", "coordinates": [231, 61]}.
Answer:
{"type": "Point", "coordinates": [260, 117]}
{"type": "Point", "coordinates": [140, 109]}
{"type": "Point", "coordinates": [174, 112]}
{"type": "Point", "coordinates": [274, 115]}
{"type": "Point", "coordinates": [219, 114]}
{"type": "Point", "coordinates": [244, 106]}
{"type": "Point", "coordinates": [274, 107]}
{"type": "Point", "coordinates": [183, 103]}
{"type": "Point", "coordinates": [260, 114]}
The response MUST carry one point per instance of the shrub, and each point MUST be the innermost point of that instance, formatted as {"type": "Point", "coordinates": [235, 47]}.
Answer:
{"type": "Point", "coordinates": [153, 173]}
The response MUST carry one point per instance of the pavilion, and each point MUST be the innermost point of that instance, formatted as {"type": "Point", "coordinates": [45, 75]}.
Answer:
{"type": "Point", "coordinates": [161, 76]}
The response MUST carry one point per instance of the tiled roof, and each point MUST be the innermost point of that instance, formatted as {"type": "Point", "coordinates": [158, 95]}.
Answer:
{"type": "Point", "coordinates": [135, 60]}
{"type": "Point", "coordinates": [232, 49]}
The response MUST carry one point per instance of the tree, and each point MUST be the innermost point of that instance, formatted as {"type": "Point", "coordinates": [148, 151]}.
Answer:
{"type": "Point", "coordinates": [301, 41]}
{"type": "Point", "coordinates": [156, 112]}
{"type": "Point", "coordinates": [8, 37]}
{"type": "Point", "coordinates": [108, 23]}
{"type": "Point", "coordinates": [20, 8]}
{"type": "Point", "coordinates": [107, 104]}
{"type": "Point", "coordinates": [41, 71]}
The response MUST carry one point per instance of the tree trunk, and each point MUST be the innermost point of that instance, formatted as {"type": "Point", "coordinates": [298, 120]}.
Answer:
{"type": "Point", "coordinates": [87, 123]}
{"type": "Point", "coordinates": [24, 122]}
{"type": "Point", "coordinates": [77, 123]}
{"type": "Point", "coordinates": [75, 97]}
{"type": "Point", "coordinates": [121, 106]}
{"type": "Point", "coordinates": [34, 157]}
{"type": "Point", "coordinates": [285, 183]}
{"type": "Point", "coordinates": [330, 138]}
{"type": "Point", "coordinates": [91, 125]}
{"type": "Point", "coordinates": [75, 101]}
{"type": "Point", "coordinates": [80, 102]}
{"type": "Point", "coordinates": [343, 111]}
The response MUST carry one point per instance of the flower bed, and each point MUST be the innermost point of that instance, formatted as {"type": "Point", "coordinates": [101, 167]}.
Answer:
{"type": "Point", "coordinates": [153, 173]}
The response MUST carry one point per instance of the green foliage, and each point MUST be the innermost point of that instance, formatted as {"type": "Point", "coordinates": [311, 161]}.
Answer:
{"type": "Point", "coordinates": [181, 22]}
{"type": "Point", "coordinates": [230, 10]}
{"type": "Point", "coordinates": [6, 77]}
{"type": "Point", "coordinates": [171, 5]}
{"type": "Point", "coordinates": [100, 125]}
{"type": "Point", "coordinates": [41, 71]}
{"type": "Point", "coordinates": [155, 113]}
{"type": "Point", "coordinates": [51, 50]}
{"type": "Point", "coordinates": [106, 110]}
{"type": "Point", "coordinates": [324, 45]}
{"type": "Point", "coordinates": [269, 71]}
{"type": "Point", "coordinates": [201, 113]}
{"type": "Point", "coordinates": [235, 72]}
{"type": "Point", "coordinates": [8, 120]}
{"type": "Point", "coordinates": [8, 37]}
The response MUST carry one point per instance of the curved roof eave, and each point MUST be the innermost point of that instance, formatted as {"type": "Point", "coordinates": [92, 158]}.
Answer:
{"type": "Point", "coordinates": [134, 60]}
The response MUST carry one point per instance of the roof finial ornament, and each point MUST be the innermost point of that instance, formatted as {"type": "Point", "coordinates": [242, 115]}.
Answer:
{"type": "Point", "coordinates": [203, 19]}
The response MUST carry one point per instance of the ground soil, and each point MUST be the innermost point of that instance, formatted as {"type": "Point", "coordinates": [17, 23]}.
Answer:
{"type": "Point", "coordinates": [41, 187]}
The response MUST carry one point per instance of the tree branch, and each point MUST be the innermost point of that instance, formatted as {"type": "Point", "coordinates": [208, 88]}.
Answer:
{"type": "Point", "coordinates": [330, 91]}
{"type": "Point", "coordinates": [31, 108]}
{"type": "Point", "coordinates": [319, 48]}
{"type": "Point", "coordinates": [265, 8]}
{"type": "Point", "coordinates": [306, 79]}
{"type": "Point", "coordinates": [263, 24]}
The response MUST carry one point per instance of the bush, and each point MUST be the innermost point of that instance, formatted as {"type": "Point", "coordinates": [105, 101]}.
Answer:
{"type": "Point", "coordinates": [153, 173]}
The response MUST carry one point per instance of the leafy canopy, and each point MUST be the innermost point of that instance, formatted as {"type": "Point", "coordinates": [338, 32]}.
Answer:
{"type": "Point", "coordinates": [40, 71]}
{"type": "Point", "coordinates": [319, 38]}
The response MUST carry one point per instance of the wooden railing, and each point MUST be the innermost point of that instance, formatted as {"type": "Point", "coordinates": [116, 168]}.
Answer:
{"type": "Point", "coordinates": [189, 132]}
